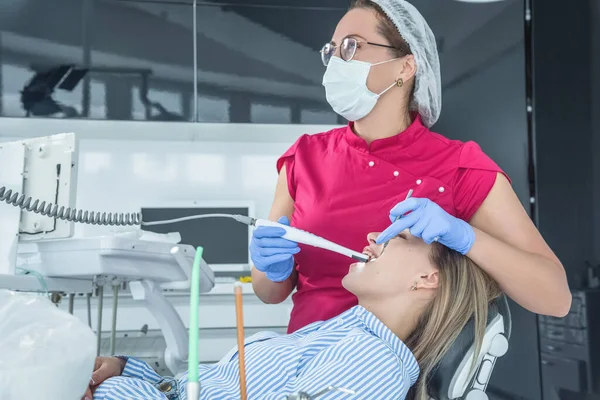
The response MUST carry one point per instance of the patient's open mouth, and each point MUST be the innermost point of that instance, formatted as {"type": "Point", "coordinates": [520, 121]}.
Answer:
{"type": "Point", "coordinates": [367, 251]}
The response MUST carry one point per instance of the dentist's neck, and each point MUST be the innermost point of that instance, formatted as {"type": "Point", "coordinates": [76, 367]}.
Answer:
{"type": "Point", "coordinates": [382, 123]}
{"type": "Point", "coordinates": [400, 315]}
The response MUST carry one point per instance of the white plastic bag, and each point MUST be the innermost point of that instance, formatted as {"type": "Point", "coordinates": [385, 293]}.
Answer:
{"type": "Point", "coordinates": [45, 353]}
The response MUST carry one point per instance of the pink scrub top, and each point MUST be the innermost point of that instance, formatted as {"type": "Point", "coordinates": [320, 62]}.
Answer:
{"type": "Point", "coordinates": [344, 188]}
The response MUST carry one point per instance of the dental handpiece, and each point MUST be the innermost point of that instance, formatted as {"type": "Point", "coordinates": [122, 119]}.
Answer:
{"type": "Point", "coordinates": [293, 234]}
{"type": "Point", "coordinates": [300, 236]}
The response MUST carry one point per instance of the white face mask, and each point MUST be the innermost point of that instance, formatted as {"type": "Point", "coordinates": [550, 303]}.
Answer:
{"type": "Point", "coordinates": [346, 88]}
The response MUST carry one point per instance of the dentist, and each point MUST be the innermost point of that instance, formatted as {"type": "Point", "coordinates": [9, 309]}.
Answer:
{"type": "Point", "coordinates": [383, 76]}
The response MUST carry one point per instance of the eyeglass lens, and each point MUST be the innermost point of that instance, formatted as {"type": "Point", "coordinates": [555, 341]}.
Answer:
{"type": "Point", "coordinates": [347, 50]}
{"type": "Point", "coordinates": [327, 52]}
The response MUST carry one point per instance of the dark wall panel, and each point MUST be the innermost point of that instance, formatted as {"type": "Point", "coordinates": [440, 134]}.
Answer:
{"type": "Point", "coordinates": [489, 108]}
{"type": "Point", "coordinates": [595, 111]}
{"type": "Point", "coordinates": [252, 67]}
{"type": "Point", "coordinates": [563, 132]}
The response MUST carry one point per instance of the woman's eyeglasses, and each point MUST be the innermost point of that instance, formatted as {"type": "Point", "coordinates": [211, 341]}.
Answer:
{"type": "Point", "coordinates": [347, 49]}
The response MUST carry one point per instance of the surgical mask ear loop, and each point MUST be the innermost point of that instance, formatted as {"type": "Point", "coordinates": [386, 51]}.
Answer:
{"type": "Point", "coordinates": [399, 82]}
{"type": "Point", "coordinates": [386, 90]}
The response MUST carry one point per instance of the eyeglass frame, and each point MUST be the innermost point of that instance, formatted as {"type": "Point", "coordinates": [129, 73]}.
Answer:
{"type": "Point", "coordinates": [335, 48]}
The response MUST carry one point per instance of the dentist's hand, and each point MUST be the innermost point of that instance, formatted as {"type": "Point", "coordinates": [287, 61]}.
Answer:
{"type": "Point", "coordinates": [271, 253]}
{"type": "Point", "coordinates": [431, 223]}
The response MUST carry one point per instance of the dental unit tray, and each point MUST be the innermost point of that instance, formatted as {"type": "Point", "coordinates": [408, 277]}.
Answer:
{"type": "Point", "coordinates": [120, 257]}
{"type": "Point", "coordinates": [149, 266]}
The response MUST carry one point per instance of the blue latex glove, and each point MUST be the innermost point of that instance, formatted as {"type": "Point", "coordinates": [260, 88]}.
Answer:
{"type": "Point", "coordinates": [431, 223]}
{"type": "Point", "coordinates": [271, 253]}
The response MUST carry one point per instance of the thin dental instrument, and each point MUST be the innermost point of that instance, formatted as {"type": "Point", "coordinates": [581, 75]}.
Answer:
{"type": "Point", "coordinates": [410, 192]}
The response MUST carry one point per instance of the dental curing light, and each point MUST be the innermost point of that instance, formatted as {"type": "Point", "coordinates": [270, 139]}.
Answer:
{"type": "Point", "coordinates": [300, 236]}
{"type": "Point", "coordinates": [291, 233]}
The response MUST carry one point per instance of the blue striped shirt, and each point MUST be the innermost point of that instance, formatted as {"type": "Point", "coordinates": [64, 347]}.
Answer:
{"type": "Point", "coordinates": [354, 350]}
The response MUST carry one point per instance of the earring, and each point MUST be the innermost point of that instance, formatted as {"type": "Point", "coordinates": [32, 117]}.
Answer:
{"type": "Point", "coordinates": [414, 286]}
{"type": "Point", "coordinates": [399, 82]}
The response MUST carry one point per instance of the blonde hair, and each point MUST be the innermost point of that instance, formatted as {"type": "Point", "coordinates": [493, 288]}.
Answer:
{"type": "Point", "coordinates": [464, 293]}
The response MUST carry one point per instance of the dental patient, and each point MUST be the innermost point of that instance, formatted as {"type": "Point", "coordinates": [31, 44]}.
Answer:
{"type": "Point", "coordinates": [413, 301]}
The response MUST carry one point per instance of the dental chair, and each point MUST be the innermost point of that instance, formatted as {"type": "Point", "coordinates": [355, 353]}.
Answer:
{"type": "Point", "coordinates": [454, 378]}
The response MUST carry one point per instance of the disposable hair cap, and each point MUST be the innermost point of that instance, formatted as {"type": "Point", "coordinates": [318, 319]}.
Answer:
{"type": "Point", "coordinates": [427, 97]}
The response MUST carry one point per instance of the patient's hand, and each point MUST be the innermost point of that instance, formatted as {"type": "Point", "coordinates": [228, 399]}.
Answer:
{"type": "Point", "coordinates": [104, 368]}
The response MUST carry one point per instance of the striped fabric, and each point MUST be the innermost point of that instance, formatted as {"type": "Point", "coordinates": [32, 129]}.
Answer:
{"type": "Point", "coordinates": [354, 351]}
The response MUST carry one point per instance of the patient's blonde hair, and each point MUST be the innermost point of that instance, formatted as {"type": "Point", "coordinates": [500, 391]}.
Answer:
{"type": "Point", "coordinates": [464, 292]}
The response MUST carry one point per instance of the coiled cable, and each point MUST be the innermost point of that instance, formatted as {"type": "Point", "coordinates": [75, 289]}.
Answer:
{"type": "Point", "coordinates": [68, 214]}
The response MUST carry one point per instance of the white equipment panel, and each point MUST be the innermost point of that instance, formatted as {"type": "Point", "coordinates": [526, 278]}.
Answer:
{"type": "Point", "coordinates": [121, 257]}
{"type": "Point", "coordinates": [50, 176]}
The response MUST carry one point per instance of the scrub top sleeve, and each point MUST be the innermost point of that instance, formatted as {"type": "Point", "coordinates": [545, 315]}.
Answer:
{"type": "Point", "coordinates": [289, 160]}
{"type": "Point", "coordinates": [475, 178]}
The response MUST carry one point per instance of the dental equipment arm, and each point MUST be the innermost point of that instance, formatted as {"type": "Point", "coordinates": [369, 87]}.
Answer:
{"type": "Point", "coordinates": [173, 328]}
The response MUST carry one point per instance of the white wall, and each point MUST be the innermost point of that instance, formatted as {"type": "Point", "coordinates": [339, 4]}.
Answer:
{"type": "Point", "coordinates": [124, 166]}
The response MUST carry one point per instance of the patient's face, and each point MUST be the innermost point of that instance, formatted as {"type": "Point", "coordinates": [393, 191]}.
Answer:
{"type": "Point", "coordinates": [394, 271]}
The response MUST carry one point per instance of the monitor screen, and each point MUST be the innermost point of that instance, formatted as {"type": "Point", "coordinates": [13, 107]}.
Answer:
{"type": "Point", "coordinates": [225, 241]}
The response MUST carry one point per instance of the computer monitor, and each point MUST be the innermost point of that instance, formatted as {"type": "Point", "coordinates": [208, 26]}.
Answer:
{"type": "Point", "coordinates": [225, 240]}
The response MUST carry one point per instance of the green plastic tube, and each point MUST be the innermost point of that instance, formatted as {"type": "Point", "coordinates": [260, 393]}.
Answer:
{"type": "Point", "coordinates": [194, 303]}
